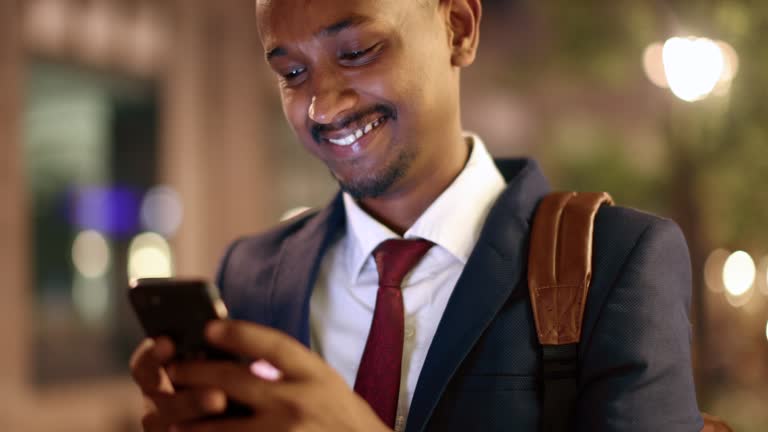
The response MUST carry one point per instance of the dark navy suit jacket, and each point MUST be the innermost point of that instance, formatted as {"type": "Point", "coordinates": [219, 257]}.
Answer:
{"type": "Point", "coordinates": [481, 370]}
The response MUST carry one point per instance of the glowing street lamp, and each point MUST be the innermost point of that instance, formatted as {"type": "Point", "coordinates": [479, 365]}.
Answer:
{"type": "Point", "coordinates": [691, 67]}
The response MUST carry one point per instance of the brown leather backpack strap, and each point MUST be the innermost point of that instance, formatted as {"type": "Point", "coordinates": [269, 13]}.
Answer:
{"type": "Point", "coordinates": [560, 263]}
{"type": "Point", "coordinates": [559, 273]}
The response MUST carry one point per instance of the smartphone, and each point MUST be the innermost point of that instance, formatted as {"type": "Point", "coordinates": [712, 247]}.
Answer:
{"type": "Point", "coordinates": [179, 309]}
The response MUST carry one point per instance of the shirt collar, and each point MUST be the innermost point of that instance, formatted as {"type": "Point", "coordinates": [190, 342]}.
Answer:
{"type": "Point", "coordinates": [452, 222]}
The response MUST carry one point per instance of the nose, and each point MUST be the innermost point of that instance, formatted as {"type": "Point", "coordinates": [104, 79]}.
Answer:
{"type": "Point", "coordinates": [332, 97]}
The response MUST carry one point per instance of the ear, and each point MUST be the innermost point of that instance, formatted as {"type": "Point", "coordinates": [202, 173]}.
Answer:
{"type": "Point", "coordinates": [463, 19]}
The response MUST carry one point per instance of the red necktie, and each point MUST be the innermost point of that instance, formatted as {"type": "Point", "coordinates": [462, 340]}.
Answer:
{"type": "Point", "coordinates": [378, 378]}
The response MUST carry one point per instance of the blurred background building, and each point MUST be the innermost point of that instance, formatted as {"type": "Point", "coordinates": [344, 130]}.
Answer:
{"type": "Point", "coordinates": [139, 137]}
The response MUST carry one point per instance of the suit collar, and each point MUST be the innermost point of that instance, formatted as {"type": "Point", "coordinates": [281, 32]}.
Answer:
{"type": "Point", "coordinates": [494, 271]}
{"type": "Point", "coordinates": [297, 268]}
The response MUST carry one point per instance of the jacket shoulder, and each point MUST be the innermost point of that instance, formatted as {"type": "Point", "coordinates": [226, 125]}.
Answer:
{"type": "Point", "coordinates": [635, 347]}
{"type": "Point", "coordinates": [267, 243]}
{"type": "Point", "coordinates": [622, 227]}
{"type": "Point", "coordinates": [250, 261]}
{"type": "Point", "coordinates": [627, 216]}
{"type": "Point", "coordinates": [625, 237]}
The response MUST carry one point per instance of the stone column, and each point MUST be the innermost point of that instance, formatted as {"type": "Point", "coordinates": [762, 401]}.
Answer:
{"type": "Point", "coordinates": [14, 307]}
{"type": "Point", "coordinates": [181, 158]}
{"type": "Point", "coordinates": [213, 150]}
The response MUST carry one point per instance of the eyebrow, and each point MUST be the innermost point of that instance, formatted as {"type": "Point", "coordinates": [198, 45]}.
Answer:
{"type": "Point", "coordinates": [331, 30]}
{"type": "Point", "coordinates": [344, 24]}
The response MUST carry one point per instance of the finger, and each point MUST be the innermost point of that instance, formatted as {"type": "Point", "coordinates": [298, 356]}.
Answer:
{"type": "Point", "coordinates": [189, 405]}
{"type": "Point", "coordinates": [292, 358]}
{"type": "Point", "coordinates": [147, 365]}
{"type": "Point", "coordinates": [233, 379]}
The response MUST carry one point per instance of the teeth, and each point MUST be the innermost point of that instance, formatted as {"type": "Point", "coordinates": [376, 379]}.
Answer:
{"type": "Point", "coordinates": [347, 140]}
{"type": "Point", "coordinates": [356, 135]}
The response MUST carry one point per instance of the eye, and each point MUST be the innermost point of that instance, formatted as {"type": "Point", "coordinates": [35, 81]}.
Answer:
{"type": "Point", "coordinates": [294, 73]}
{"type": "Point", "coordinates": [354, 55]}
{"type": "Point", "coordinates": [359, 55]}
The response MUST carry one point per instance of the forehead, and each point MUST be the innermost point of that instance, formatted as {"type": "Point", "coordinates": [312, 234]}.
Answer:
{"type": "Point", "coordinates": [281, 19]}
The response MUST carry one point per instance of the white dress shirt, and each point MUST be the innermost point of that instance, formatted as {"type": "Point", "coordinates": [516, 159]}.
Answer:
{"type": "Point", "coordinates": [344, 296]}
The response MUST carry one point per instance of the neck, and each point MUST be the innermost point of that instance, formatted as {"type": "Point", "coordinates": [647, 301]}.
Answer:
{"type": "Point", "coordinates": [399, 208]}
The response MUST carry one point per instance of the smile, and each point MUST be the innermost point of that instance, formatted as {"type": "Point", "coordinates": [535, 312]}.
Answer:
{"type": "Point", "coordinates": [359, 133]}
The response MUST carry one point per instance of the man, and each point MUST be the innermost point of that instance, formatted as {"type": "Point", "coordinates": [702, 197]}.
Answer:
{"type": "Point", "coordinates": [371, 88]}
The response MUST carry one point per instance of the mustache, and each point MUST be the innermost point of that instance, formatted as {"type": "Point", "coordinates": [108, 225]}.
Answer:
{"type": "Point", "coordinates": [317, 130]}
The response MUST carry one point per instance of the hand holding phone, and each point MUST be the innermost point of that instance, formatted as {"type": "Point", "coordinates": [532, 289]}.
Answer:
{"type": "Point", "coordinates": [180, 309]}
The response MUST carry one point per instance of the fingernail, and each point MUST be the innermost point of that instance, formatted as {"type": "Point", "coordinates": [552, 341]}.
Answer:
{"type": "Point", "coordinates": [265, 370]}
{"type": "Point", "coordinates": [215, 329]}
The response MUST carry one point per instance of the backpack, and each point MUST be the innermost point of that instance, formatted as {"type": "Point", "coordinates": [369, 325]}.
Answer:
{"type": "Point", "coordinates": [559, 275]}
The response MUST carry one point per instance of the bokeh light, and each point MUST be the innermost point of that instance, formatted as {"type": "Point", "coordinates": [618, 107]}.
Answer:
{"type": "Point", "coordinates": [693, 66]}
{"type": "Point", "coordinates": [713, 270]}
{"type": "Point", "coordinates": [162, 211]}
{"type": "Point", "coordinates": [96, 28]}
{"type": "Point", "coordinates": [739, 273]}
{"type": "Point", "coordinates": [91, 254]}
{"type": "Point", "coordinates": [46, 22]}
{"type": "Point", "coordinates": [762, 276]}
{"type": "Point", "coordinates": [731, 65]}
{"type": "Point", "coordinates": [149, 255]}
{"type": "Point", "coordinates": [653, 65]}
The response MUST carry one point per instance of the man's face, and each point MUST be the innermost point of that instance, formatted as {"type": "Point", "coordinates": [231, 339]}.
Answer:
{"type": "Point", "coordinates": [367, 85]}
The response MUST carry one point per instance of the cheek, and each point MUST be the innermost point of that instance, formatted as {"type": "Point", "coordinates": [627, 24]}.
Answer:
{"type": "Point", "coordinates": [295, 110]}
{"type": "Point", "coordinates": [393, 83]}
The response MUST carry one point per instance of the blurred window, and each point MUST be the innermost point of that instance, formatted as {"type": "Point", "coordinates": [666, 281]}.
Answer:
{"type": "Point", "coordinates": [90, 154]}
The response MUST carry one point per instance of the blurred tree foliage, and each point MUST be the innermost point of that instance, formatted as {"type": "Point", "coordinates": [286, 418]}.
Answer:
{"type": "Point", "coordinates": [721, 143]}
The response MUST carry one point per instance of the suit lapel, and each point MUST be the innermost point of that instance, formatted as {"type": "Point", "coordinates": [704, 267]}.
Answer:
{"type": "Point", "coordinates": [494, 269]}
{"type": "Point", "coordinates": [297, 267]}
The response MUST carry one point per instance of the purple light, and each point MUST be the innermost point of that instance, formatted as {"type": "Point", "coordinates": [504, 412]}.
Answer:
{"type": "Point", "coordinates": [110, 210]}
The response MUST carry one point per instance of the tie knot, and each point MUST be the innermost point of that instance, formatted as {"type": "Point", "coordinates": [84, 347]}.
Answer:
{"type": "Point", "coordinates": [396, 257]}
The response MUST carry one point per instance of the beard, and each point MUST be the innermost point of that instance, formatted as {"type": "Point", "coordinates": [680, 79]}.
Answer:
{"type": "Point", "coordinates": [378, 183]}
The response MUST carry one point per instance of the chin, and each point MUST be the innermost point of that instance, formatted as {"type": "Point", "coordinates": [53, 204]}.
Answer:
{"type": "Point", "coordinates": [372, 185]}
